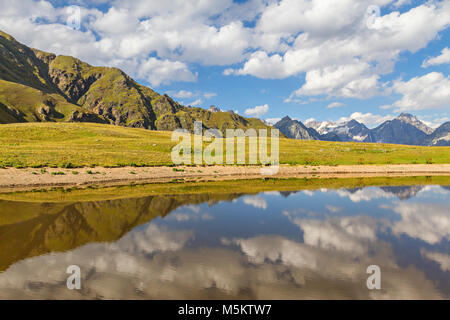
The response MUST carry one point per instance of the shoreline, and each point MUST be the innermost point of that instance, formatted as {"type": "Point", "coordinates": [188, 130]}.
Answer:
{"type": "Point", "coordinates": [12, 179]}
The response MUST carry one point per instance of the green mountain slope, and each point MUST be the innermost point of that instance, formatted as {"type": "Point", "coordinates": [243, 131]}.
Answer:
{"type": "Point", "coordinates": [36, 86]}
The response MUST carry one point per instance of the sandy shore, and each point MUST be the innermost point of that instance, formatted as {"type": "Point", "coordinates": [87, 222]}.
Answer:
{"type": "Point", "coordinates": [25, 179]}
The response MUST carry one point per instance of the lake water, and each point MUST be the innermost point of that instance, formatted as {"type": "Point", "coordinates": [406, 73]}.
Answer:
{"type": "Point", "coordinates": [274, 245]}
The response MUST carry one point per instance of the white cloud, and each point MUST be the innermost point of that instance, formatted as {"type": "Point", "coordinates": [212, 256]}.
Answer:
{"type": "Point", "coordinates": [153, 42]}
{"type": "Point", "coordinates": [185, 94]}
{"type": "Point", "coordinates": [441, 59]}
{"type": "Point", "coordinates": [158, 72]}
{"type": "Point", "coordinates": [431, 91]}
{"type": "Point", "coordinates": [346, 234]}
{"type": "Point", "coordinates": [352, 80]}
{"type": "Point", "coordinates": [434, 122]}
{"type": "Point", "coordinates": [366, 194]}
{"type": "Point", "coordinates": [209, 95]}
{"type": "Point", "coordinates": [272, 121]}
{"type": "Point", "coordinates": [335, 105]}
{"type": "Point", "coordinates": [182, 94]}
{"type": "Point", "coordinates": [428, 222]}
{"type": "Point", "coordinates": [359, 55]}
{"type": "Point", "coordinates": [369, 119]}
{"type": "Point", "coordinates": [400, 3]}
{"type": "Point", "coordinates": [442, 259]}
{"type": "Point", "coordinates": [333, 209]}
{"type": "Point", "coordinates": [196, 103]}
{"type": "Point", "coordinates": [257, 111]}
{"type": "Point", "coordinates": [256, 202]}
{"type": "Point", "coordinates": [159, 42]}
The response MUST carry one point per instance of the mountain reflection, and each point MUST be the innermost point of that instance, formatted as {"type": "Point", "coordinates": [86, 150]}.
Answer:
{"type": "Point", "coordinates": [304, 245]}
{"type": "Point", "coordinates": [32, 229]}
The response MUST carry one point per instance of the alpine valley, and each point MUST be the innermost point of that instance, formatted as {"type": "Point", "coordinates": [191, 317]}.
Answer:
{"type": "Point", "coordinates": [37, 86]}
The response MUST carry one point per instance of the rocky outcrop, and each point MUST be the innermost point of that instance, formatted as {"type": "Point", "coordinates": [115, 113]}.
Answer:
{"type": "Point", "coordinates": [296, 130]}
{"type": "Point", "coordinates": [398, 132]}
{"type": "Point", "coordinates": [412, 120]}
{"type": "Point", "coordinates": [439, 137]}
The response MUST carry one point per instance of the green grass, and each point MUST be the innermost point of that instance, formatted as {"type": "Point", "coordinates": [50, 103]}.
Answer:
{"type": "Point", "coordinates": [74, 145]}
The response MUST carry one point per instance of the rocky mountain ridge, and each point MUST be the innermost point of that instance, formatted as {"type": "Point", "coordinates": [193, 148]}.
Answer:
{"type": "Point", "coordinates": [404, 129]}
{"type": "Point", "coordinates": [37, 86]}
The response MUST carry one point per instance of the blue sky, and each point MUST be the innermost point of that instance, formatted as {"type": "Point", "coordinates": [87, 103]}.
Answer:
{"type": "Point", "coordinates": [328, 60]}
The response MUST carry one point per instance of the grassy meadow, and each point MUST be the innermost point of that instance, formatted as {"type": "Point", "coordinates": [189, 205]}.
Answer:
{"type": "Point", "coordinates": [67, 145]}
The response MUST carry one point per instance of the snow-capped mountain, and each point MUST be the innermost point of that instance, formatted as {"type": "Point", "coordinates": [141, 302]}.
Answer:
{"type": "Point", "coordinates": [412, 120]}
{"type": "Point", "coordinates": [347, 131]}
{"type": "Point", "coordinates": [404, 129]}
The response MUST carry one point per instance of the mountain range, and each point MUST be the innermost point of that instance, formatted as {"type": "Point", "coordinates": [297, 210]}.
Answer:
{"type": "Point", "coordinates": [405, 129]}
{"type": "Point", "coordinates": [37, 86]}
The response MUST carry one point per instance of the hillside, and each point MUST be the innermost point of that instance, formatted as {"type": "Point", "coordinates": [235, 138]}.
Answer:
{"type": "Point", "coordinates": [36, 86]}
{"type": "Point", "coordinates": [87, 144]}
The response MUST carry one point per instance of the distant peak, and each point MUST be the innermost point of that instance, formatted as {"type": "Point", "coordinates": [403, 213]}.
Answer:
{"type": "Point", "coordinates": [353, 121]}
{"type": "Point", "coordinates": [286, 118]}
{"type": "Point", "coordinates": [406, 115]}
{"type": "Point", "coordinates": [214, 109]}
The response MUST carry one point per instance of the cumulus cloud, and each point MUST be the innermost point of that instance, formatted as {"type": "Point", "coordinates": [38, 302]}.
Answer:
{"type": "Point", "coordinates": [256, 202]}
{"type": "Point", "coordinates": [348, 81]}
{"type": "Point", "coordinates": [444, 57]}
{"type": "Point", "coordinates": [365, 194]}
{"type": "Point", "coordinates": [185, 94]}
{"type": "Point", "coordinates": [136, 36]}
{"type": "Point", "coordinates": [441, 258]}
{"type": "Point", "coordinates": [272, 121]}
{"type": "Point", "coordinates": [329, 43]}
{"type": "Point", "coordinates": [182, 94]}
{"type": "Point", "coordinates": [257, 111]}
{"type": "Point", "coordinates": [427, 222]}
{"type": "Point", "coordinates": [158, 72]}
{"type": "Point", "coordinates": [196, 103]}
{"type": "Point", "coordinates": [400, 3]}
{"type": "Point", "coordinates": [369, 119]}
{"type": "Point", "coordinates": [360, 54]}
{"type": "Point", "coordinates": [431, 91]}
{"type": "Point", "coordinates": [349, 234]}
{"type": "Point", "coordinates": [434, 122]}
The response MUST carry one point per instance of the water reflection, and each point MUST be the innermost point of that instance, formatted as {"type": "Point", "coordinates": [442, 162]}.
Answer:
{"type": "Point", "coordinates": [273, 245]}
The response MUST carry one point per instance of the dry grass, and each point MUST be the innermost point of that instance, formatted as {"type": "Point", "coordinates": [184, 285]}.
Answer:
{"type": "Point", "coordinates": [68, 145]}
